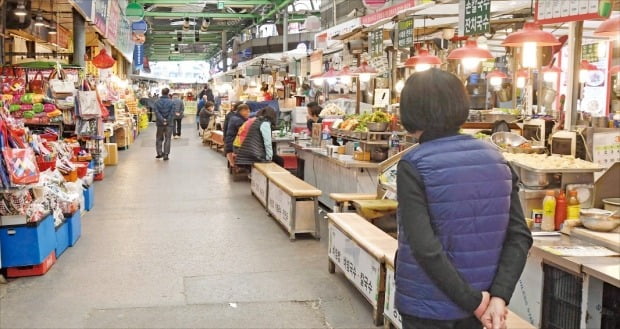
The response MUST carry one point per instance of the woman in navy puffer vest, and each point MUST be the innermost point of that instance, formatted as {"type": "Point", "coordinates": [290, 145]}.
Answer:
{"type": "Point", "coordinates": [463, 239]}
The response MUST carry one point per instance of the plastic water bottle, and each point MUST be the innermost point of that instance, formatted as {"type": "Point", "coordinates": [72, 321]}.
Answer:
{"type": "Point", "coordinates": [394, 144]}
{"type": "Point", "coordinates": [616, 119]}
{"type": "Point", "coordinates": [326, 136]}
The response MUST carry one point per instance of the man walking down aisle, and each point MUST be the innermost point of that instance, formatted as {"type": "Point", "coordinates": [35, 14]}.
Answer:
{"type": "Point", "coordinates": [164, 111]}
{"type": "Point", "coordinates": [179, 109]}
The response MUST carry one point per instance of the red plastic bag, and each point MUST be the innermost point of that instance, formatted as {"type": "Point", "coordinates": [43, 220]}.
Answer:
{"type": "Point", "coordinates": [21, 165]}
{"type": "Point", "coordinates": [103, 60]}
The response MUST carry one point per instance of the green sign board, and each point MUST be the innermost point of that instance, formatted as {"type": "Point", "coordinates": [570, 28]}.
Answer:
{"type": "Point", "coordinates": [375, 43]}
{"type": "Point", "coordinates": [405, 33]}
{"type": "Point", "coordinates": [474, 17]}
{"type": "Point", "coordinates": [220, 5]}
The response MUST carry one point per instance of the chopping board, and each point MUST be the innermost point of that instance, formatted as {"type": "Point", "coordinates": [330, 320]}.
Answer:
{"type": "Point", "coordinates": [608, 240]}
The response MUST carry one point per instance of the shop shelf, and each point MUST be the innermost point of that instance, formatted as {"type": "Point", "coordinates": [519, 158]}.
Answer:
{"type": "Point", "coordinates": [75, 227]}
{"type": "Point", "coordinates": [28, 244]}
{"type": "Point", "coordinates": [62, 238]}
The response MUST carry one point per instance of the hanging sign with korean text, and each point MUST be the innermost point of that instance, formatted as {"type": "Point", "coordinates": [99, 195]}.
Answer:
{"type": "Point", "coordinates": [375, 43]}
{"type": "Point", "coordinates": [556, 11]}
{"type": "Point", "coordinates": [474, 17]}
{"type": "Point", "coordinates": [405, 33]}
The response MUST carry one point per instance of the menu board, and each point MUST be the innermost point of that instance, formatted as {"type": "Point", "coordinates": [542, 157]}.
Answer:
{"type": "Point", "coordinates": [561, 11]}
{"type": "Point", "coordinates": [405, 33]}
{"type": "Point", "coordinates": [474, 17]}
{"type": "Point", "coordinates": [375, 43]}
{"type": "Point", "coordinates": [605, 149]}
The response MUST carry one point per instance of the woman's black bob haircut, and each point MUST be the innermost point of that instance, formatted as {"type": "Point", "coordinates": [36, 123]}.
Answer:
{"type": "Point", "coordinates": [269, 114]}
{"type": "Point", "coordinates": [434, 101]}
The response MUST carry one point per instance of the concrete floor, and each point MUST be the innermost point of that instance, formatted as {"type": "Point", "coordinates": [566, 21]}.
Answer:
{"type": "Point", "coordinates": [178, 244]}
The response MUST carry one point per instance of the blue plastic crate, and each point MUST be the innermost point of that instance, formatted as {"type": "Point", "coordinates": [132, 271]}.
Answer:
{"type": "Point", "coordinates": [29, 244]}
{"type": "Point", "coordinates": [89, 198]}
{"type": "Point", "coordinates": [62, 238]}
{"type": "Point", "coordinates": [75, 227]}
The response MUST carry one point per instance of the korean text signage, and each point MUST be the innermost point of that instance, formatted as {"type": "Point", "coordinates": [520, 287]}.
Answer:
{"type": "Point", "coordinates": [101, 13]}
{"type": "Point", "coordinates": [389, 12]}
{"type": "Point", "coordinates": [375, 43]}
{"type": "Point", "coordinates": [560, 11]}
{"type": "Point", "coordinates": [113, 21]}
{"type": "Point", "coordinates": [405, 33]}
{"type": "Point", "coordinates": [474, 17]}
{"type": "Point", "coordinates": [323, 40]}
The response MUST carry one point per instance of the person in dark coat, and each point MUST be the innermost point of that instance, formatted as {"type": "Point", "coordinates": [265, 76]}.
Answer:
{"type": "Point", "coordinates": [204, 116]}
{"type": "Point", "coordinates": [463, 240]}
{"type": "Point", "coordinates": [314, 110]}
{"type": "Point", "coordinates": [234, 123]}
{"type": "Point", "coordinates": [257, 145]}
{"type": "Point", "coordinates": [164, 111]}
{"type": "Point", "coordinates": [207, 91]}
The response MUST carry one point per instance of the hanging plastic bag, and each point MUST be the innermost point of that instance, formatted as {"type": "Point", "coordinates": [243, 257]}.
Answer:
{"type": "Point", "coordinates": [21, 165]}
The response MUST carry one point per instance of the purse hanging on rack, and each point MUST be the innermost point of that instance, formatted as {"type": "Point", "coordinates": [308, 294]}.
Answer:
{"type": "Point", "coordinates": [88, 103]}
{"type": "Point", "coordinates": [36, 84]}
{"type": "Point", "coordinates": [21, 164]}
{"type": "Point", "coordinates": [59, 85]}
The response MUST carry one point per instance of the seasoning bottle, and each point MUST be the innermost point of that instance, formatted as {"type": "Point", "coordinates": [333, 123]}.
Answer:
{"type": "Point", "coordinates": [560, 210]}
{"type": "Point", "coordinates": [574, 207]}
{"type": "Point", "coordinates": [548, 221]}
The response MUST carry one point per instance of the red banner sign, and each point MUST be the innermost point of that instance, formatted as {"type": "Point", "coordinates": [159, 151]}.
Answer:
{"type": "Point", "coordinates": [389, 12]}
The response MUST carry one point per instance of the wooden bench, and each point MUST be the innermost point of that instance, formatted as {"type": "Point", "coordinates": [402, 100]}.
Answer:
{"type": "Point", "coordinates": [343, 200]}
{"type": "Point", "coordinates": [360, 249]}
{"type": "Point", "coordinates": [392, 318]}
{"type": "Point", "coordinates": [259, 179]}
{"type": "Point", "coordinates": [291, 201]}
{"type": "Point", "coordinates": [217, 140]}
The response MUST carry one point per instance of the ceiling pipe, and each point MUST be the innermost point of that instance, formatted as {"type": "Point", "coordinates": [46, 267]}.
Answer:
{"type": "Point", "coordinates": [274, 11]}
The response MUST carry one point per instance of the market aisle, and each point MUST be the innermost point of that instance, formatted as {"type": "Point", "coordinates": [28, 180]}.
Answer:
{"type": "Point", "coordinates": [178, 244]}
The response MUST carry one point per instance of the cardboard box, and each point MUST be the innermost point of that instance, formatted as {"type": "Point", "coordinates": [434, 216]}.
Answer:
{"type": "Point", "coordinates": [112, 158]}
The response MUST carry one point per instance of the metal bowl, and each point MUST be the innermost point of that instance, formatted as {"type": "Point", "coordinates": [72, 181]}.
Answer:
{"type": "Point", "coordinates": [600, 225]}
{"type": "Point", "coordinates": [534, 180]}
{"type": "Point", "coordinates": [504, 139]}
{"type": "Point", "coordinates": [612, 204]}
{"type": "Point", "coordinates": [377, 126]}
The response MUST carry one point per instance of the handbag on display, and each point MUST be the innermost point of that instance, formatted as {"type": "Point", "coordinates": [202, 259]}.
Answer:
{"type": "Point", "coordinates": [36, 84]}
{"type": "Point", "coordinates": [21, 163]}
{"type": "Point", "coordinates": [59, 85]}
{"type": "Point", "coordinates": [89, 106]}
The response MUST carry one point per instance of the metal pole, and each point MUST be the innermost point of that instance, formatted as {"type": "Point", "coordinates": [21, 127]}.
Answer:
{"type": "Point", "coordinates": [572, 74]}
{"type": "Point", "coordinates": [224, 52]}
{"type": "Point", "coordinates": [335, 12]}
{"type": "Point", "coordinates": [285, 32]}
{"type": "Point", "coordinates": [79, 39]}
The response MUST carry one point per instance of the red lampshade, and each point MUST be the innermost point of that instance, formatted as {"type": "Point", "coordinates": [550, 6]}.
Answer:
{"type": "Point", "coordinates": [608, 28]}
{"type": "Point", "coordinates": [470, 50]}
{"type": "Point", "coordinates": [496, 74]}
{"type": "Point", "coordinates": [103, 60]}
{"type": "Point", "coordinates": [365, 69]}
{"type": "Point", "coordinates": [551, 69]}
{"type": "Point", "coordinates": [615, 69]}
{"type": "Point", "coordinates": [523, 74]}
{"type": "Point", "coordinates": [423, 57]}
{"type": "Point", "coordinates": [531, 32]}
{"type": "Point", "coordinates": [345, 72]}
{"type": "Point", "coordinates": [585, 65]}
{"type": "Point", "coordinates": [331, 73]}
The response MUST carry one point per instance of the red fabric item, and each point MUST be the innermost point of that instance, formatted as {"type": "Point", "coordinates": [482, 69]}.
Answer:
{"type": "Point", "coordinates": [103, 60]}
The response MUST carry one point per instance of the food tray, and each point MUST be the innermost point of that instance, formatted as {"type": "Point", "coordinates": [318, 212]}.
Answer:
{"type": "Point", "coordinates": [555, 171]}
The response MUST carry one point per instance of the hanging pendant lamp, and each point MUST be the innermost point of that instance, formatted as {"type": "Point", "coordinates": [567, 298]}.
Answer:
{"type": "Point", "coordinates": [496, 77]}
{"type": "Point", "coordinates": [423, 60]}
{"type": "Point", "coordinates": [470, 54]}
{"type": "Point", "coordinates": [365, 72]}
{"type": "Point", "coordinates": [609, 28]}
{"type": "Point", "coordinates": [330, 75]}
{"type": "Point", "coordinates": [550, 73]}
{"type": "Point", "coordinates": [531, 33]}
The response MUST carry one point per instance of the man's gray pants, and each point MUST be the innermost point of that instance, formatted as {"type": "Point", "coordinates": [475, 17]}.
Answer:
{"type": "Point", "coordinates": [163, 136]}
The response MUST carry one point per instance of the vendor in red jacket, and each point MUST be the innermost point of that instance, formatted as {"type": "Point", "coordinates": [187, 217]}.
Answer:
{"type": "Point", "coordinates": [462, 237]}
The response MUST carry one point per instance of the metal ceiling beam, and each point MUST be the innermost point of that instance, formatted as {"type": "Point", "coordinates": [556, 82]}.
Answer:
{"type": "Point", "coordinates": [275, 10]}
{"type": "Point", "coordinates": [226, 2]}
{"type": "Point", "coordinates": [170, 28]}
{"type": "Point", "coordinates": [200, 14]}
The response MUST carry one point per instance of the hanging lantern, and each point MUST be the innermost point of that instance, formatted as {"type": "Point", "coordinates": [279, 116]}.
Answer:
{"type": "Point", "coordinates": [496, 77]}
{"type": "Point", "coordinates": [550, 73]}
{"type": "Point", "coordinates": [423, 61]}
{"type": "Point", "coordinates": [331, 76]}
{"type": "Point", "coordinates": [365, 72]}
{"type": "Point", "coordinates": [103, 60]}
{"type": "Point", "coordinates": [609, 28]}
{"type": "Point", "coordinates": [471, 55]}
{"type": "Point", "coordinates": [530, 38]}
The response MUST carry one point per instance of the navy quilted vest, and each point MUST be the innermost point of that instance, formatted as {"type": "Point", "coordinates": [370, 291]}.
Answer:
{"type": "Point", "coordinates": [468, 186]}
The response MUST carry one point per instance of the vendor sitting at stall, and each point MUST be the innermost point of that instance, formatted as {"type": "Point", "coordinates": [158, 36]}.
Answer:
{"type": "Point", "coordinates": [266, 94]}
{"type": "Point", "coordinates": [314, 110]}
{"type": "Point", "coordinates": [234, 123]}
{"type": "Point", "coordinates": [204, 117]}
{"type": "Point", "coordinates": [257, 145]}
